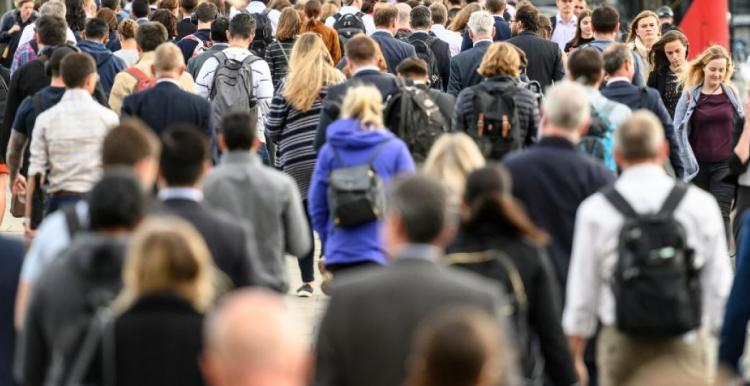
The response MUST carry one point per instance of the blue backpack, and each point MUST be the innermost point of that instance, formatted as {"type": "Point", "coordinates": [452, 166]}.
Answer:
{"type": "Point", "coordinates": [595, 143]}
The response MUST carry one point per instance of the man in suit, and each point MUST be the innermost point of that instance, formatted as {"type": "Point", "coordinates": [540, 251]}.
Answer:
{"type": "Point", "coordinates": [367, 331]}
{"type": "Point", "coordinates": [545, 63]}
{"type": "Point", "coordinates": [421, 21]}
{"type": "Point", "coordinates": [416, 70]}
{"type": "Point", "coordinates": [363, 65]}
{"type": "Point", "coordinates": [394, 50]}
{"type": "Point", "coordinates": [620, 68]}
{"type": "Point", "coordinates": [502, 28]}
{"type": "Point", "coordinates": [184, 162]}
{"type": "Point", "coordinates": [166, 104]}
{"type": "Point", "coordinates": [464, 65]}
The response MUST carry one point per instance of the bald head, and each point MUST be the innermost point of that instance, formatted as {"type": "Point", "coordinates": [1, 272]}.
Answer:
{"type": "Point", "coordinates": [252, 340]}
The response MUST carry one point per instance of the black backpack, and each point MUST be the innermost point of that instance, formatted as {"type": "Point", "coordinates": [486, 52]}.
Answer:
{"type": "Point", "coordinates": [425, 52]}
{"type": "Point", "coordinates": [355, 193]}
{"type": "Point", "coordinates": [348, 25]}
{"type": "Point", "coordinates": [263, 33]}
{"type": "Point", "coordinates": [498, 129]}
{"type": "Point", "coordinates": [420, 121]}
{"type": "Point", "coordinates": [655, 283]}
{"type": "Point", "coordinates": [593, 142]}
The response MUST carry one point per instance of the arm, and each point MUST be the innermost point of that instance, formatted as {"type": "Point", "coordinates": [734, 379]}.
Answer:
{"type": "Point", "coordinates": [276, 118]}
{"type": "Point", "coordinates": [466, 42]}
{"type": "Point", "coordinates": [559, 70]}
{"type": "Point", "coordinates": [460, 121]}
{"type": "Point", "coordinates": [295, 223]}
{"type": "Point", "coordinates": [669, 132]}
{"type": "Point", "coordinates": [123, 86]}
{"type": "Point", "coordinates": [336, 48]}
{"type": "Point", "coordinates": [454, 83]}
{"type": "Point", "coordinates": [12, 102]}
{"type": "Point", "coordinates": [263, 85]}
{"type": "Point", "coordinates": [328, 113]}
{"type": "Point", "coordinates": [532, 131]}
{"type": "Point", "coordinates": [317, 196]}
{"type": "Point", "coordinates": [205, 77]}
{"type": "Point", "coordinates": [737, 315]}
{"type": "Point", "coordinates": [681, 109]}
{"type": "Point", "coordinates": [14, 158]}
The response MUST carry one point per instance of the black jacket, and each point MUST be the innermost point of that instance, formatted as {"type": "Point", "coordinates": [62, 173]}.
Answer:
{"type": "Point", "coordinates": [166, 104]}
{"type": "Point", "coordinates": [366, 334]}
{"type": "Point", "coordinates": [658, 80]}
{"type": "Point", "coordinates": [464, 68]}
{"type": "Point", "coordinates": [547, 344]}
{"type": "Point", "coordinates": [10, 270]}
{"type": "Point", "coordinates": [544, 58]}
{"type": "Point", "coordinates": [394, 50]}
{"type": "Point", "coordinates": [442, 52]}
{"type": "Point", "coordinates": [184, 28]}
{"type": "Point", "coordinates": [224, 237]}
{"type": "Point", "coordinates": [551, 179]}
{"type": "Point", "coordinates": [158, 341]}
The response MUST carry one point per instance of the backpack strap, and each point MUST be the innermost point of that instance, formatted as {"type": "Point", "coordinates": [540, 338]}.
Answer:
{"type": "Point", "coordinates": [71, 220]}
{"type": "Point", "coordinates": [138, 74]}
{"type": "Point", "coordinates": [619, 202]}
{"type": "Point", "coordinates": [377, 151]}
{"type": "Point", "coordinates": [673, 199]}
{"type": "Point", "coordinates": [644, 96]}
{"type": "Point", "coordinates": [336, 16]}
{"type": "Point", "coordinates": [266, 12]}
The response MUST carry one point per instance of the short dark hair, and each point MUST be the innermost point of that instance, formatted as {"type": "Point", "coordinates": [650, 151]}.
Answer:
{"type": "Point", "coordinates": [96, 29]}
{"type": "Point", "coordinates": [422, 204]}
{"type": "Point", "coordinates": [238, 129]}
{"type": "Point", "coordinates": [167, 19]}
{"type": "Point", "coordinates": [52, 66]}
{"type": "Point", "coordinates": [188, 5]}
{"type": "Point", "coordinates": [528, 15]}
{"type": "Point", "coordinates": [420, 17]}
{"type": "Point", "coordinates": [219, 29]}
{"type": "Point", "coordinates": [605, 19]}
{"type": "Point", "coordinates": [111, 4]}
{"type": "Point", "coordinates": [76, 68]}
{"type": "Point", "coordinates": [412, 66]}
{"type": "Point", "coordinates": [494, 6]}
{"type": "Point", "coordinates": [184, 152]}
{"type": "Point", "coordinates": [385, 15]}
{"type": "Point", "coordinates": [140, 8]}
{"type": "Point", "coordinates": [51, 30]}
{"type": "Point", "coordinates": [585, 65]}
{"type": "Point", "coordinates": [242, 26]}
{"type": "Point", "coordinates": [615, 56]}
{"type": "Point", "coordinates": [116, 201]}
{"type": "Point", "coordinates": [360, 48]}
{"type": "Point", "coordinates": [150, 35]}
{"type": "Point", "coordinates": [128, 143]}
{"type": "Point", "coordinates": [206, 12]}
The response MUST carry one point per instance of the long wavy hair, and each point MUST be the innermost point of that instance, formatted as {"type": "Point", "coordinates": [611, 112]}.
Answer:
{"type": "Point", "coordinates": [579, 31]}
{"type": "Point", "coordinates": [658, 57]}
{"type": "Point", "coordinates": [310, 69]}
{"type": "Point", "coordinates": [452, 157]}
{"type": "Point", "coordinates": [634, 24]}
{"type": "Point", "coordinates": [693, 74]}
{"type": "Point", "coordinates": [462, 17]}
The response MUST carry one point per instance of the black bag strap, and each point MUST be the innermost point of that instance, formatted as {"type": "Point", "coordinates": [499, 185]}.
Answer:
{"type": "Point", "coordinates": [644, 97]}
{"type": "Point", "coordinates": [619, 202]}
{"type": "Point", "coordinates": [71, 220]}
{"type": "Point", "coordinates": [673, 199]}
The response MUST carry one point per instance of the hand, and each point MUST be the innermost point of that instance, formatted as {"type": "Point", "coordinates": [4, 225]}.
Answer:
{"type": "Point", "coordinates": [582, 372]}
{"type": "Point", "coordinates": [19, 185]}
{"type": "Point", "coordinates": [14, 29]}
{"type": "Point", "coordinates": [27, 231]}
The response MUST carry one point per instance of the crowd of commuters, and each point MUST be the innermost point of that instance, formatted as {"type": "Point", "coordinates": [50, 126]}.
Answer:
{"type": "Point", "coordinates": [491, 196]}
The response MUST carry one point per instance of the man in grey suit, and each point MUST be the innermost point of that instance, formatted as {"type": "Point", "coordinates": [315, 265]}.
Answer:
{"type": "Point", "coordinates": [366, 334]}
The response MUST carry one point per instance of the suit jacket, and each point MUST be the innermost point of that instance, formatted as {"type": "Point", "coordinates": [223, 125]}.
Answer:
{"type": "Point", "coordinates": [224, 237]}
{"type": "Point", "coordinates": [10, 269]}
{"type": "Point", "coordinates": [166, 104]}
{"type": "Point", "coordinates": [331, 110]}
{"type": "Point", "coordinates": [442, 52]}
{"type": "Point", "coordinates": [502, 33]}
{"type": "Point", "coordinates": [464, 68]}
{"type": "Point", "coordinates": [394, 50]}
{"type": "Point", "coordinates": [627, 94]}
{"type": "Point", "coordinates": [544, 58]}
{"type": "Point", "coordinates": [366, 334]}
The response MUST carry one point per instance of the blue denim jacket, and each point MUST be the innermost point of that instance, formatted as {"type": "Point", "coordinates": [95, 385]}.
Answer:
{"type": "Point", "coordinates": [684, 113]}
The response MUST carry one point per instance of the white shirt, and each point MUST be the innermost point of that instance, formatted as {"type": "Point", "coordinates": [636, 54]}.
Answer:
{"type": "Point", "coordinates": [564, 32]}
{"type": "Point", "coordinates": [597, 228]}
{"type": "Point", "coordinates": [262, 83]}
{"type": "Point", "coordinates": [259, 7]}
{"type": "Point", "coordinates": [347, 9]}
{"type": "Point", "coordinates": [453, 38]}
{"type": "Point", "coordinates": [28, 34]}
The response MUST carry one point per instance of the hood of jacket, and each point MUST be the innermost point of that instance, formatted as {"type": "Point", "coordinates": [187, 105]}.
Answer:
{"type": "Point", "coordinates": [349, 134]}
{"type": "Point", "coordinates": [96, 256]}
{"type": "Point", "coordinates": [98, 50]}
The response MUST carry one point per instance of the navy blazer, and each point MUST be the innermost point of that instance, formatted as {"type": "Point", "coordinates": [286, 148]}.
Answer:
{"type": "Point", "coordinates": [464, 68]}
{"type": "Point", "coordinates": [502, 33]}
{"type": "Point", "coordinates": [544, 58]}
{"type": "Point", "coordinates": [627, 94]}
{"type": "Point", "coordinates": [10, 269]}
{"type": "Point", "coordinates": [331, 110]}
{"type": "Point", "coordinates": [394, 50]}
{"type": "Point", "coordinates": [442, 52]}
{"type": "Point", "coordinates": [167, 104]}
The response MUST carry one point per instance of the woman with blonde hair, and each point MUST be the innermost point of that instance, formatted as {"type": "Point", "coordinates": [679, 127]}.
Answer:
{"type": "Point", "coordinates": [496, 135]}
{"type": "Point", "coordinates": [129, 48]}
{"type": "Point", "coordinates": [327, 10]}
{"type": "Point", "coordinates": [459, 23]}
{"type": "Point", "coordinates": [312, 23]}
{"type": "Point", "coordinates": [279, 51]}
{"type": "Point", "coordinates": [709, 119]}
{"type": "Point", "coordinates": [645, 30]}
{"type": "Point", "coordinates": [293, 120]}
{"type": "Point", "coordinates": [169, 283]}
{"type": "Point", "coordinates": [452, 157]}
{"type": "Point", "coordinates": [358, 139]}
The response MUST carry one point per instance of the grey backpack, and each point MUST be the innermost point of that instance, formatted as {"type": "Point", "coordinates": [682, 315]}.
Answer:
{"type": "Point", "coordinates": [232, 87]}
{"type": "Point", "coordinates": [355, 193]}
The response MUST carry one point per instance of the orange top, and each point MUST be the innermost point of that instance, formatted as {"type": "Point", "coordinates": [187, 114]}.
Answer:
{"type": "Point", "coordinates": [330, 38]}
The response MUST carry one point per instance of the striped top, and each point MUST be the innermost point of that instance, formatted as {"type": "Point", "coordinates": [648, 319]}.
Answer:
{"type": "Point", "coordinates": [294, 133]}
{"type": "Point", "coordinates": [277, 57]}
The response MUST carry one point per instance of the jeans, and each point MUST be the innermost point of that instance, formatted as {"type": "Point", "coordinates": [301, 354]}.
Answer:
{"type": "Point", "coordinates": [307, 262]}
{"type": "Point", "coordinates": [263, 153]}
{"type": "Point", "coordinates": [741, 203]}
{"type": "Point", "coordinates": [56, 202]}
{"type": "Point", "coordinates": [710, 178]}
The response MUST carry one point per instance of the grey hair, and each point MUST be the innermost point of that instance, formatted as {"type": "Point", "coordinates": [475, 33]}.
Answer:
{"type": "Point", "coordinates": [481, 22]}
{"type": "Point", "coordinates": [641, 137]}
{"type": "Point", "coordinates": [615, 56]}
{"type": "Point", "coordinates": [53, 8]}
{"type": "Point", "coordinates": [404, 13]}
{"type": "Point", "coordinates": [567, 106]}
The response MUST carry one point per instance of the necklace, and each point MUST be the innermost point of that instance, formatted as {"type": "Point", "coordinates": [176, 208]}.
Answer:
{"type": "Point", "coordinates": [708, 95]}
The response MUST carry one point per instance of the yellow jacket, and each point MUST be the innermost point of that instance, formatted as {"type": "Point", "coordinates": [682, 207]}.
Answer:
{"type": "Point", "coordinates": [125, 83]}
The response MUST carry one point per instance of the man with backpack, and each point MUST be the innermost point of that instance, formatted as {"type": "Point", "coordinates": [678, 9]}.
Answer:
{"type": "Point", "coordinates": [236, 80]}
{"type": "Point", "coordinates": [435, 52]}
{"type": "Point", "coordinates": [140, 76]}
{"type": "Point", "coordinates": [196, 43]}
{"type": "Point", "coordinates": [107, 64]}
{"type": "Point", "coordinates": [350, 20]}
{"type": "Point", "coordinates": [649, 263]}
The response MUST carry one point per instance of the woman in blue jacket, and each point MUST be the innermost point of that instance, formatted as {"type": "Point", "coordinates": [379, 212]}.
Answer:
{"type": "Point", "coordinates": [357, 138]}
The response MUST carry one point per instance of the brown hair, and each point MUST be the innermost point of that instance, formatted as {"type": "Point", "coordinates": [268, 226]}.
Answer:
{"type": "Point", "coordinates": [76, 68]}
{"type": "Point", "coordinates": [579, 32]}
{"type": "Point", "coordinates": [127, 29]}
{"type": "Point", "coordinates": [500, 59]}
{"type": "Point", "coordinates": [167, 19]}
{"type": "Point", "coordinates": [360, 49]}
{"type": "Point", "coordinates": [313, 9]}
{"type": "Point", "coordinates": [385, 15]}
{"type": "Point", "coordinates": [693, 74]}
{"type": "Point", "coordinates": [170, 5]}
{"type": "Point", "coordinates": [658, 57]}
{"type": "Point", "coordinates": [327, 10]}
{"type": "Point", "coordinates": [462, 17]}
{"type": "Point", "coordinates": [128, 143]}
{"type": "Point", "coordinates": [279, 5]}
{"type": "Point", "coordinates": [108, 16]}
{"type": "Point", "coordinates": [289, 25]}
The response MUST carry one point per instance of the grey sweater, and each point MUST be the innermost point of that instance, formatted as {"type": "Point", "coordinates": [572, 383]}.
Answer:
{"type": "Point", "coordinates": [270, 201]}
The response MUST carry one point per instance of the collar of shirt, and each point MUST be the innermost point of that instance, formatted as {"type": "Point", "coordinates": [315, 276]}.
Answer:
{"type": "Point", "coordinates": [378, 29]}
{"type": "Point", "coordinates": [437, 27]}
{"type": "Point", "coordinates": [415, 251]}
{"type": "Point", "coordinates": [141, 19]}
{"type": "Point", "coordinates": [168, 80]}
{"type": "Point", "coordinates": [639, 174]}
{"type": "Point", "coordinates": [573, 20]}
{"type": "Point", "coordinates": [240, 157]}
{"type": "Point", "coordinates": [618, 79]}
{"type": "Point", "coordinates": [76, 94]}
{"type": "Point", "coordinates": [191, 194]}
{"type": "Point", "coordinates": [366, 68]}
{"type": "Point", "coordinates": [482, 40]}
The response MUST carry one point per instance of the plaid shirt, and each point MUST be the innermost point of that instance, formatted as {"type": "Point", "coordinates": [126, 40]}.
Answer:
{"type": "Point", "coordinates": [24, 54]}
{"type": "Point", "coordinates": [67, 140]}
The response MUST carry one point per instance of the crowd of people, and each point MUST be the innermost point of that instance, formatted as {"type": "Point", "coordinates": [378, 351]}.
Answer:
{"type": "Point", "coordinates": [491, 196]}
